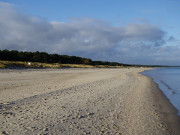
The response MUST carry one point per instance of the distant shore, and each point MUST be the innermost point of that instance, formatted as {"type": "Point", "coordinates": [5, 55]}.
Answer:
{"type": "Point", "coordinates": [84, 101]}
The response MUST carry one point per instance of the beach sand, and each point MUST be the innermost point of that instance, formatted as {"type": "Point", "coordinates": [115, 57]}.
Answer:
{"type": "Point", "coordinates": [83, 101]}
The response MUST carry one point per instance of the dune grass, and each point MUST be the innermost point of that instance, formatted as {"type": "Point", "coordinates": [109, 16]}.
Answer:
{"type": "Point", "coordinates": [4, 64]}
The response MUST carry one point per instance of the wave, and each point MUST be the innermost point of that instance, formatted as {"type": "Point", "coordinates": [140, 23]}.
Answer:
{"type": "Point", "coordinates": [168, 87]}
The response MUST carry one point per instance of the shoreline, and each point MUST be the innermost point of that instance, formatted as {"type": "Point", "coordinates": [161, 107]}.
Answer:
{"type": "Point", "coordinates": [84, 101]}
{"type": "Point", "coordinates": [166, 108]}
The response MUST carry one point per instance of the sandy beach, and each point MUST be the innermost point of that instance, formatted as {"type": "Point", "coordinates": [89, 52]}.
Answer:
{"type": "Point", "coordinates": [83, 101]}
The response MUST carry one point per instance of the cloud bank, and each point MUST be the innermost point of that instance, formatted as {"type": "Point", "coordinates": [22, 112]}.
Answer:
{"type": "Point", "coordinates": [87, 37]}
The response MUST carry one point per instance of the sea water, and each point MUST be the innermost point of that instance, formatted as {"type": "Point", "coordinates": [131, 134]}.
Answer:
{"type": "Point", "coordinates": [168, 80]}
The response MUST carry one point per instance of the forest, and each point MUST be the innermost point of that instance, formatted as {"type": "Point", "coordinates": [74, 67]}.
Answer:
{"type": "Point", "coordinates": [44, 57]}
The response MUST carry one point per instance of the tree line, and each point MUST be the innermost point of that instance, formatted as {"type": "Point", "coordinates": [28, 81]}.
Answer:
{"type": "Point", "coordinates": [44, 57]}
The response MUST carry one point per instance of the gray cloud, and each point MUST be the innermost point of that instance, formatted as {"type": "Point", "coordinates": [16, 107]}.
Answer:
{"type": "Point", "coordinates": [87, 37]}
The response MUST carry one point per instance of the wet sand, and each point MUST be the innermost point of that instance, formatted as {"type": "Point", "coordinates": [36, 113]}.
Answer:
{"type": "Point", "coordinates": [83, 101]}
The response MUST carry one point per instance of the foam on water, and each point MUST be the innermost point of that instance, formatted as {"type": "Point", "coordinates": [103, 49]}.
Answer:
{"type": "Point", "coordinates": [168, 80]}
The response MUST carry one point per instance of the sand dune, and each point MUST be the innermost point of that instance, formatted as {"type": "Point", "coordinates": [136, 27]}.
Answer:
{"type": "Point", "coordinates": [83, 101]}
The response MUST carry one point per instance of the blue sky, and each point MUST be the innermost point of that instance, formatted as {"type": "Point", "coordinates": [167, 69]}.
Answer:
{"type": "Point", "coordinates": [137, 32]}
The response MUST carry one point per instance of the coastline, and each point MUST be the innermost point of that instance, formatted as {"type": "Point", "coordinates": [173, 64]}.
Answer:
{"type": "Point", "coordinates": [84, 101]}
{"type": "Point", "coordinates": [168, 111]}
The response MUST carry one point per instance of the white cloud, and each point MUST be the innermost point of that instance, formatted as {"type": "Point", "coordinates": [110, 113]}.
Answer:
{"type": "Point", "coordinates": [133, 43]}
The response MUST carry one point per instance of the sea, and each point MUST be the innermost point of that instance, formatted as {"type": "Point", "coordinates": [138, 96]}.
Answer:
{"type": "Point", "coordinates": [168, 80]}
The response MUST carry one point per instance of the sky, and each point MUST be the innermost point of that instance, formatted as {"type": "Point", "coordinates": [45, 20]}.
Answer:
{"type": "Point", "coordinates": [126, 31]}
